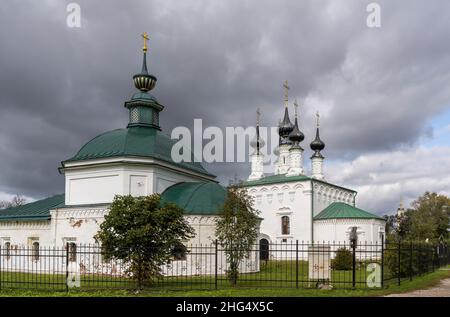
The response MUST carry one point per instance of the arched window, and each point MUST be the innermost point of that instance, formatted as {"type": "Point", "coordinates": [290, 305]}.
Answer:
{"type": "Point", "coordinates": [35, 251]}
{"type": "Point", "coordinates": [285, 225]}
{"type": "Point", "coordinates": [72, 252]}
{"type": "Point", "coordinates": [264, 249]}
{"type": "Point", "coordinates": [8, 250]}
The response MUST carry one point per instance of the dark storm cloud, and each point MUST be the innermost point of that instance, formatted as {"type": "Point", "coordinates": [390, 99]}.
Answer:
{"type": "Point", "coordinates": [219, 61]}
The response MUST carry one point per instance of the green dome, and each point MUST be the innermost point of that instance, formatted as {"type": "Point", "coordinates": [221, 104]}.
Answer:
{"type": "Point", "coordinates": [196, 198]}
{"type": "Point", "coordinates": [136, 141]}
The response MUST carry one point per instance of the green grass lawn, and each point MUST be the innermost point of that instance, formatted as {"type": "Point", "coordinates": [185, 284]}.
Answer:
{"type": "Point", "coordinates": [272, 274]}
{"type": "Point", "coordinates": [275, 279]}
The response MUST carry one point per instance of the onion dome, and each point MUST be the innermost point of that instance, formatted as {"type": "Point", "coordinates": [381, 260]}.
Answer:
{"type": "Point", "coordinates": [144, 81]}
{"type": "Point", "coordinates": [317, 145]}
{"type": "Point", "coordinates": [296, 136]}
{"type": "Point", "coordinates": [285, 127]}
{"type": "Point", "coordinates": [276, 151]}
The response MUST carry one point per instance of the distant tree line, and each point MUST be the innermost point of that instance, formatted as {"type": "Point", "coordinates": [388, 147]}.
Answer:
{"type": "Point", "coordinates": [16, 201]}
{"type": "Point", "coordinates": [428, 219]}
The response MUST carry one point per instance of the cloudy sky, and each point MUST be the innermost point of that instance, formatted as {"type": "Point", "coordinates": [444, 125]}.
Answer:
{"type": "Point", "coordinates": [384, 93]}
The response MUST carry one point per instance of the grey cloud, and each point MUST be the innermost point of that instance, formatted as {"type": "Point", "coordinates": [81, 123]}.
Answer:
{"type": "Point", "coordinates": [218, 61]}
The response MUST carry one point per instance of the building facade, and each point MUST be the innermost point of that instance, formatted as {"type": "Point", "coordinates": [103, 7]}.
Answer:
{"type": "Point", "coordinates": [300, 207]}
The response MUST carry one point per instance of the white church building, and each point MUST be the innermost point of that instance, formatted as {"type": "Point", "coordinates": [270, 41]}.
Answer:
{"type": "Point", "coordinates": [136, 160]}
{"type": "Point", "coordinates": [307, 208]}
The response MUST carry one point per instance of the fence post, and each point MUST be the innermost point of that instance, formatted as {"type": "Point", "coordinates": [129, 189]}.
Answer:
{"type": "Point", "coordinates": [215, 265]}
{"type": "Point", "coordinates": [382, 262]}
{"type": "Point", "coordinates": [399, 263]}
{"type": "Point", "coordinates": [354, 264]}
{"type": "Point", "coordinates": [296, 263]}
{"type": "Point", "coordinates": [411, 261]}
{"type": "Point", "coordinates": [67, 267]}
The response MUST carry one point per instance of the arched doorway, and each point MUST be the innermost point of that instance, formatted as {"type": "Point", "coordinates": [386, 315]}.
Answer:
{"type": "Point", "coordinates": [264, 250]}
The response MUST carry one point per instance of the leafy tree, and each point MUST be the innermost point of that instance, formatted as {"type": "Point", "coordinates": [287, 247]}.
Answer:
{"type": "Point", "coordinates": [143, 233]}
{"type": "Point", "coordinates": [429, 218]}
{"type": "Point", "coordinates": [391, 224]}
{"type": "Point", "coordinates": [17, 200]}
{"type": "Point", "coordinates": [237, 228]}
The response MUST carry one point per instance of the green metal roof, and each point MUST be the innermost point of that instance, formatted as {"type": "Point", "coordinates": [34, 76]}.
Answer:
{"type": "Point", "coordinates": [134, 141]}
{"type": "Point", "coordinates": [274, 179]}
{"type": "Point", "coordinates": [196, 198]}
{"type": "Point", "coordinates": [344, 211]}
{"type": "Point", "coordinates": [283, 178]}
{"type": "Point", "coordinates": [38, 210]}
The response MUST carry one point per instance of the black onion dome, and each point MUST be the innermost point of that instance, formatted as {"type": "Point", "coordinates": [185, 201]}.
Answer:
{"type": "Point", "coordinates": [317, 145]}
{"type": "Point", "coordinates": [285, 127]}
{"type": "Point", "coordinates": [296, 136]}
{"type": "Point", "coordinates": [144, 81]}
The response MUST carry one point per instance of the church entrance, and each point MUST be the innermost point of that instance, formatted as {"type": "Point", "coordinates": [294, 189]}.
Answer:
{"type": "Point", "coordinates": [263, 249]}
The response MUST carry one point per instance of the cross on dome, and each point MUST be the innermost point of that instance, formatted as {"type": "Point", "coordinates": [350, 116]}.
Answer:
{"type": "Point", "coordinates": [145, 38]}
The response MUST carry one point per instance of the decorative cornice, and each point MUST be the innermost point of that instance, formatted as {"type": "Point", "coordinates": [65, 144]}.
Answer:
{"type": "Point", "coordinates": [43, 225]}
{"type": "Point", "coordinates": [201, 220]}
{"type": "Point", "coordinates": [79, 212]}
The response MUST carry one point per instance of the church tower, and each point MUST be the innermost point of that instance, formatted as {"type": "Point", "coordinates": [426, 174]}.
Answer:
{"type": "Point", "coordinates": [401, 209]}
{"type": "Point", "coordinates": [296, 151]}
{"type": "Point", "coordinates": [284, 129]}
{"type": "Point", "coordinates": [144, 108]}
{"type": "Point", "coordinates": [317, 158]}
{"type": "Point", "coordinates": [256, 158]}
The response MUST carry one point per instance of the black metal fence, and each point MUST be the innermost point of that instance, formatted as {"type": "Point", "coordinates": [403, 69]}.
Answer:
{"type": "Point", "coordinates": [291, 264]}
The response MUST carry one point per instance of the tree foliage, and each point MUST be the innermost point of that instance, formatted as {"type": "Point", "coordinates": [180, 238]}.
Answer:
{"type": "Point", "coordinates": [428, 219]}
{"type": "Point", "coordinates": [143, 233]}
{"type": "Point", "coordinates": [237, 228]}
{"type": "Point", "coordinates": [343, 260]}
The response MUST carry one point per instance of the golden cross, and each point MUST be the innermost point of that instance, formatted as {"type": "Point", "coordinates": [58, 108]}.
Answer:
{"type": "Point", "coordinates": [286, 93]}
{"type": "Point", "coordinates": [146, 38]}
{"type": "Point", "coordinates": [317, 119]}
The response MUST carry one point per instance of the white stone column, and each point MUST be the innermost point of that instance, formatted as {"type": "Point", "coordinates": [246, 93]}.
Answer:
{"type": "Point", "coordinates": [317, 167]}
{"type": "Point", "coordinates": [283, 160]}
{"type": "Point", "coordinates": [295, 162]}
{"type": "Point", "coordinates": [257, 169]}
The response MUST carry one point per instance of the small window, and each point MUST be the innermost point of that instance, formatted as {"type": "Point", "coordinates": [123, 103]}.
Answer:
{"type": "Point", "coordinates": [285, 225]}
{"type": "Point", "coordinates": [72, 252]}
{"type": "Point", "coordinates": [35, 251]}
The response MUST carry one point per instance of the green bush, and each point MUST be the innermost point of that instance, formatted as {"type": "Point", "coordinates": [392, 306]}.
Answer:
{"type": "Point", "coordinates": [343, 260]}
{"type": "Point", "coordinates": [412, 262]}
